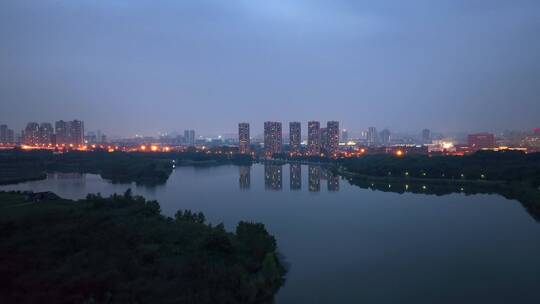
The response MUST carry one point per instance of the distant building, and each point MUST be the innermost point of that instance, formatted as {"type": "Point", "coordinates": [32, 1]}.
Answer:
{"type": "Point", "coordinates": [481, 141]}
{"type": "Point", "coordinates": [272, 137]}
{"type": "Point", "coordinates": [243, 137]}
{"type": "Point", "coordinates": [76, 132]}
{"type": "Point", "coordinates": [324, 140]}
{"type": "Point", "coordinates": [61, 130]}
{"type": "Point", "coordinates": [372, 137]}
{"type": "Point", "coordinates": [7, 136]}
{"type": "Point", "coordinates": [332, 129]}
{"type": "Point", "coordinates": [31, 134]}
{"type": "Point", "coordinates": [426, 136]}
{"type": "Point", "coordinates": [189, 137]}
{"type": "Point", "coordinates": [385, 137]}
{"type": "Point", "coordinates": [46, 134]}
{"type": "Point", "coordinates": [295, 136]}
{"type": "Point", "coordinates": [69, 132]}
{"type": "Point", "coordinates": [344, 136]}
{"type": "Point", "coordinates": [314, 137]}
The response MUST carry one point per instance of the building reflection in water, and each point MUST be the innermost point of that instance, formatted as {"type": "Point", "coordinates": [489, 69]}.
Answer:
{"type": "Point", "coordinates": [67, 180]}
{"type": "Point", "coordinates": [333, 181]}
{"type": "Point", "coordinates": [273, 177]}
{"type": "Point", "coordinates": [314, 178]}
{"type": "Point", "coordinates": [295, 176]}
{"type": "Point", "coordinates": [245, 177]}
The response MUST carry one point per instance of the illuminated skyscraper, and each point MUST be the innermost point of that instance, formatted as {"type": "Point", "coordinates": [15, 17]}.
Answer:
{"type": "Point", "coordinates": [31, 134]}
{"type": "Point", "coordinates": [61, 130]}
{"type": "Point", "coordinates": [76, 132]}
{"type": "Point", "coordinates": [272, 137]}
{"type": "Point", "coordinates": [372, 136]}
{"type": "Point", "coordinates": [314, 137]}
{"type": "Point", "coordinates": [332, 134]}
{"type": "Point", "coordinates": [46, 133]}
{"type": "Point", "coordinates": [243, 137]}
{"type": "Point", "coordinates": [295, 137]}
{"type": "Point", "coordinates": [69, 132]}
{"type": "Point", "coordinates": [324, 140]}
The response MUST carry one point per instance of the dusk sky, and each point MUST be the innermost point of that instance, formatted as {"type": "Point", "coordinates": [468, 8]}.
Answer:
{"type": "Point", "coordinates": [144, 66]}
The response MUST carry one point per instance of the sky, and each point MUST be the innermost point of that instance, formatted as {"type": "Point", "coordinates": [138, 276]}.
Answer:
{"type": "Point", "coordinates": [146, 66]}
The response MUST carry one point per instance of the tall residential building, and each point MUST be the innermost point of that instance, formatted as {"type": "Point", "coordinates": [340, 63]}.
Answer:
{"type": "Point", "coordinates": [324, 140]}
{"type": "Point", "coordinates": [385, 137]}
{"type": "Point", "coordinates": [344, 136]}
{"type": "Point", "coordinates": [31, 134]}
{"type": "Point", "coordinates": [3, 134]}
{"type": "Point", "coordinates": [295, 136]}
{"type": "Point", "coordinates": [243, 137]}
{"type": "Point", "coordinates": [46, 133]}
{"type": "Point", "coordinates": [189, 137]}
{"type": "Point", "coordinates": [426, 136]}
{"type": "Point", "coordinates": [76, 132]}
{"type": "Point", "coordinates": [372, 136]}
{"type": "Point", "coordinates": [61, 130]}
{"type": "Point", "coordinates": [7, 136]}
{"type": "Point", "coordinates": [272, 137]}
{"type": "Point", "coordinates": [69, 132]}
{"type": "Point", "coordinates": [314, 137]}
{"type": "Point", "coordinates": [332, 129]}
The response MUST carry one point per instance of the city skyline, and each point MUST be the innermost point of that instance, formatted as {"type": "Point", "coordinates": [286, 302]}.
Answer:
{"type": "Point", "coordinates": [161, 66]}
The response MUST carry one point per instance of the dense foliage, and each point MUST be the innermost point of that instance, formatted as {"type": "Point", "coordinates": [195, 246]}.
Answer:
{"type": "Point", "coordinates": [484, 165]}
{"type": "Point", "coordinates": [121, 250]}
{"type": "Point", "coordinates": [119, 167]}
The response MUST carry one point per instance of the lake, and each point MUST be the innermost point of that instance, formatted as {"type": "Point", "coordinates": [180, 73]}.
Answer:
{"type": "Point", "coordinates": [348, 244]}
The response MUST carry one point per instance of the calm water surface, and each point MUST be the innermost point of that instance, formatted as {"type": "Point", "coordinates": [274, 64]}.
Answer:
{"type": "Point", "coordinates": [346, 244]}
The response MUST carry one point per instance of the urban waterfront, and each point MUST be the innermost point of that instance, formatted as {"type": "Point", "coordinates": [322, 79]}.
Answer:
{"type": "Point", "coordinates": [349, 244]}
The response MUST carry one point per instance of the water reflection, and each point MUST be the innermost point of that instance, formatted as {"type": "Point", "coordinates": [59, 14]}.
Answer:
{"type": "Point", "coordinates": [528, 197]}
{"type": "Point", "coordinates": [332, 181]}
{"type": "Point", "coordinates": [67, 180]}
{"type": "Point", "coordinates": [273, 177]}
{"type": "Point", "coordinates": [295, 176]}
{"type": "Point", "coordinates": [314, 178]}
{"type": "Point", "coordinates": [245, 177]}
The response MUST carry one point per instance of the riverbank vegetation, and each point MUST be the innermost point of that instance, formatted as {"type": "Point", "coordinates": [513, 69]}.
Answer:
{"type": "Point", "coordinates": [509, 167]}
{"type": "Point", "coordinates": [121, 250]}
{"type": "Point", "coordinates": [118, 167]}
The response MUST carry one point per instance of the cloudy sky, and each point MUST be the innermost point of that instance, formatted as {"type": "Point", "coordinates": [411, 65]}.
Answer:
{"type": "Point", "coordinates": [145, 66]}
